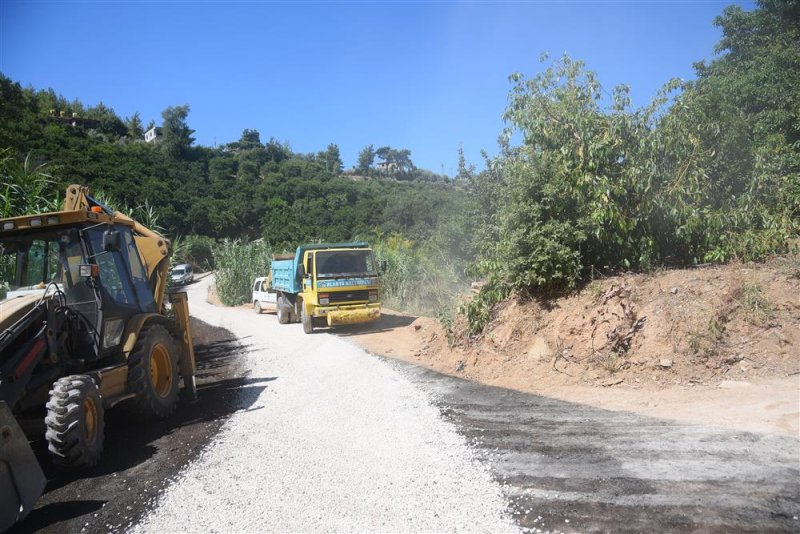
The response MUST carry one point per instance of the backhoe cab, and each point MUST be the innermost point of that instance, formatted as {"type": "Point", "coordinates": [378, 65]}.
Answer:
{"type": "Point", "coordinates": [85, 323]}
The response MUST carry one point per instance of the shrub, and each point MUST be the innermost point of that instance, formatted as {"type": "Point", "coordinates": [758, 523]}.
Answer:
{"type": "Point", "coordinates": [199, 251]}
{"type": "Point", "coordinates": [26, 188]}
{"type": "Point", "coordinates": [598, 184]}
{"type": "Point", "coordinates": [757, 308]}
{"type": "Point", "coordinates": [419, 279]}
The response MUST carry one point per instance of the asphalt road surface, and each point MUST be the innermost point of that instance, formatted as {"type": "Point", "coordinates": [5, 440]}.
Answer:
{"type": "Point", "coordinates": [573, 468]}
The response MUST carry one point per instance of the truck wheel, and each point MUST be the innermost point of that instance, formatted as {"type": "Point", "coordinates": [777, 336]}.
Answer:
{"type": "Point", "coordinates": [283, 315]}
{"type": "Point", "coordinates": [257, 307]}
{"type": "Point", "coordinates": [75, 423]}
{"type": "Point", "coordinates": [307, 320]}
{"type": "Point", "coordinates": [153, 374]}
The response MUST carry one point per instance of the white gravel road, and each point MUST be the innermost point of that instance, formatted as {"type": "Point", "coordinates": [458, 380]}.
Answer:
{"type": "Point", "coordinates": [337, 440]}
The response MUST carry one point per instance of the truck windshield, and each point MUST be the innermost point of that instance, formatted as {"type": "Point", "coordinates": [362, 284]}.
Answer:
{"type": "Point", "coordinates": [30, 262]}
{"type": "Point", "coordinates": [344, 263]}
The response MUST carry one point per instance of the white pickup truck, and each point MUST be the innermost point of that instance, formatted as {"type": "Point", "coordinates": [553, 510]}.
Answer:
{"type": "Point", "coordinates": [264, 297]}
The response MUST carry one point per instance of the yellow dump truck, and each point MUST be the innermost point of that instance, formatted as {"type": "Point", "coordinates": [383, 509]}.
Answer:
{"type": "Point", "coordinates": [327, 284]}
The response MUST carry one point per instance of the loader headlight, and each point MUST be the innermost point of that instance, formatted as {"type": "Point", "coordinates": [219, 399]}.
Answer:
{"type": "Point", "coordinates": [112, 333]}
{"type": "Point", "coordinates": [324, 298]}
{"type": "Point", "coordinates": [86, 270]}
{"type": "Point", "coordinates": [8, 225]}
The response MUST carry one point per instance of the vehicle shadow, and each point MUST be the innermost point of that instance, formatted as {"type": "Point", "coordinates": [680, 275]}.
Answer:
{"type": "Point", "coordinates": [223, 388]}
{"type": "Point", "coordinates": [42, 517]}
{"type": "Point", "coordinates": [388, 322]}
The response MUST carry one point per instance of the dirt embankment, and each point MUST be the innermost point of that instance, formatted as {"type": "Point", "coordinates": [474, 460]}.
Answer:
{"type": "Point", "coordinates": [716, 345]}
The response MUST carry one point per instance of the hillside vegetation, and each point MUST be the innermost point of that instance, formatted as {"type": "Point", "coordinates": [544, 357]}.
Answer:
{"type": "Point", "coordinates": [706, 173]}
{"type": "Point", "coordinates": [585, 183]}
{"type": "Point", "coordinates": [243, 191]}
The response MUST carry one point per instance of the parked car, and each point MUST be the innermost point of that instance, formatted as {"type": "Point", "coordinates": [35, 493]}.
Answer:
{"type": "Point", "coordinates": [182, 274]}
{"type": "Point", "coordinates": [264, 297]}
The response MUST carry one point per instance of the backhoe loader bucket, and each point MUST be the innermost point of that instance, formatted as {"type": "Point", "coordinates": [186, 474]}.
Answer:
{"type": "Point", "coordinates": [21, 478]}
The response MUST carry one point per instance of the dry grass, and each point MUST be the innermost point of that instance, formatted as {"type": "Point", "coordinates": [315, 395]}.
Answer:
{"type": "Point", "coordinates": [755, 305]}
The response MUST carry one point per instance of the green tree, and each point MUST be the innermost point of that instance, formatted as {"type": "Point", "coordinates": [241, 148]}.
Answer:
{"type": "Point", "coordinates": [396, 161]}
{"type": "Point", "coordinates": [223, 170]}
{"type": "Point", "coordinates": [465, 171]}
{"type": "Point", "coordinates": [250, 139]}
{"type": "Point", "coordinates": [134, 126]}
{"type": "Point", "coordinates": [332, 159]}
{"type": "Point", "coordinates": [177, 134]}
{"type": "Point", "coordinates": [109, 122]}
{"type": "Point", "coordinates": [277, 151]}
{"type": "Point", "coordinates": [403, 160]}
{"type": "Point", "coordinates": [365, 160]}
{"type": "Point", "coordinates": [706, 173]}
{"type": "Point", "coordinates": [248, 170]}
{"type": "Point", "coordinates": [750, 96]}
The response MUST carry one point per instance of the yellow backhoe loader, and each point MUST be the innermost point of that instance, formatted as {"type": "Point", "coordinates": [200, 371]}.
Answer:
{"type": "Point", "coordinates": [86, 322]}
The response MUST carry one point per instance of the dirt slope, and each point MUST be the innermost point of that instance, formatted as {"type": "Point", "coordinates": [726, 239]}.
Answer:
{"type": "Point", "coordinates": [717, 345]}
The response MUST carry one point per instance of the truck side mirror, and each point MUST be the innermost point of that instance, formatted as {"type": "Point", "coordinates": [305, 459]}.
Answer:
{"type": "Point", "coordinates": [384, 266]}
{"type": "Point", "coordinates": [301, 271]}
{"type": "Point", "coordinates": [111, 241]}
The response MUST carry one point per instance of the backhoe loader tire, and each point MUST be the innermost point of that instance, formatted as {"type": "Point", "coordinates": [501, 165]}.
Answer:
{"type": "Point", "coordinates": [283, 314]}
{"type": "Point", "coordinates": [257, 307]}
{"type": "Point", "coordinates": [75, 423]}
{"type": "Point", "coordinates": [307, 320]}
{"type": "Point", "coordinates": [153, 374]}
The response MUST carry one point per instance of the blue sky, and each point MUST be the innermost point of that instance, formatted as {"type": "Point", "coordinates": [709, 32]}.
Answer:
{"type": "Point", "coordinates": [418, 75]}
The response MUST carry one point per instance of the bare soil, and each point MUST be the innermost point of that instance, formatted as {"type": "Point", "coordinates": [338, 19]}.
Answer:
{"type": "Point", "coordinates": [712, 345]}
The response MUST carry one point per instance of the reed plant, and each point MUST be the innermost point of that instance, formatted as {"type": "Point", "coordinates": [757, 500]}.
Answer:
{"type": "Point", "coordinates": [238, 264]}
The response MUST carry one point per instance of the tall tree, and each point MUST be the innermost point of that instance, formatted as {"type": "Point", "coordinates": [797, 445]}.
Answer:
{"type": "Point", "coordinates": [249, 139]}
{"type": "Point", "coordinates": [277, 151]}
{"type": "Point", "coordinates": [332, 159]}
{"type": "Point", "coordinates": [387, 154]}
{"type": "Point", "coordinates": [402, 158]}
{"type": "Point", "coordinates": [177, 134]}
{"type": "Point", "coordinates": [465, 170]}
{"type": "Point", "coordinates": [396, 161]}
{"type": "Point", "coordinates": [365, 159]}
{"type": "Point", "coordinates": [750, 94]}
{"type": "Point", "coordinates": [134, 125]}
{"type": "Point", "coordinates": [108, 121]}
